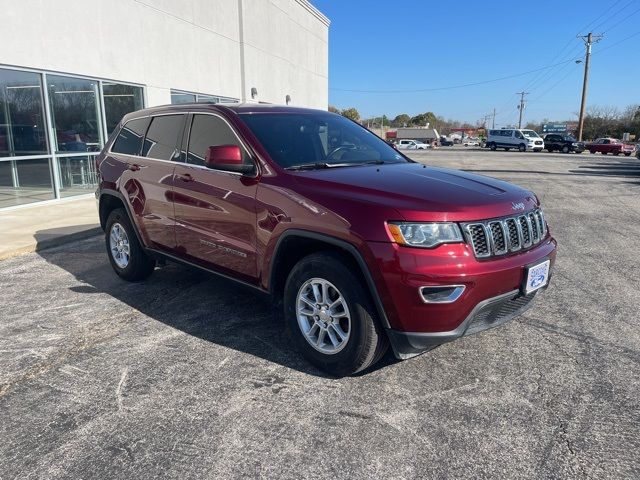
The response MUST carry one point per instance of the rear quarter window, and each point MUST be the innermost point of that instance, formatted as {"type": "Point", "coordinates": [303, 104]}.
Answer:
{"type": "Point", "coordinates": [130, 137]}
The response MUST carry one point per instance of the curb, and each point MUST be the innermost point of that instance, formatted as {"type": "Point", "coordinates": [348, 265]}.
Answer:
{"type": "Point", "coordinates": [50, 243]}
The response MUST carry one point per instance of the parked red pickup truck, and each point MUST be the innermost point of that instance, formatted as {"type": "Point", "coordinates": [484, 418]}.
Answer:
{"type": "Point", "coordinates": [610, 145]}
{"type": "Point", "coordinates": [360, 246]}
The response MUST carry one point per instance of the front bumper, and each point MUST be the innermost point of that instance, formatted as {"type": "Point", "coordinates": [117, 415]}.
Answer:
{"type": "Point", "coordinates": [416, 325]}
{"type": "Point", "coordinates": [490, 313]}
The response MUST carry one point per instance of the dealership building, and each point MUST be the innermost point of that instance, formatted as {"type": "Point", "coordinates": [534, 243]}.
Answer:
{"type": "Point", "coordinates": [70, 69]}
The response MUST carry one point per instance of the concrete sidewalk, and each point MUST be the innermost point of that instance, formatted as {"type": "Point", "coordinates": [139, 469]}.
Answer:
{"type": "Point", "coordinates": [38, 227]}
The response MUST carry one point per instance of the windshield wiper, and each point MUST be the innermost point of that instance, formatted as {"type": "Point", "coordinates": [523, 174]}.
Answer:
{"type": "Point", "coordinates": [319, 165]}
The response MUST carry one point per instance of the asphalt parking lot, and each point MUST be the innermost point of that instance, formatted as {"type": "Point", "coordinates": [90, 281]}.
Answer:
{"type": "Point", "coordinates": [188, 376]}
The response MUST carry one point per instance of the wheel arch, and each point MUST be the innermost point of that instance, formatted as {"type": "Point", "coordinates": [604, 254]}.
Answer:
{"type": "Point", "coordinates": [110, 200]}
{"type": "Point", "coordinates": [295, 244]}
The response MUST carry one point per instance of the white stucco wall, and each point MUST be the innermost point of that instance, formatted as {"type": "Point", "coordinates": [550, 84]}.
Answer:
{"type": "Point", "coordinates": [191, 45]}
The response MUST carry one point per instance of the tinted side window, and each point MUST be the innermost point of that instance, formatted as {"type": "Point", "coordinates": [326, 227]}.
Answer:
{"type": "Point", "coordinates": [208, 131]}
{"type": "Point", "coordinates": [162, 138]}
{"type": "Point", "coordinates": [129, 140]}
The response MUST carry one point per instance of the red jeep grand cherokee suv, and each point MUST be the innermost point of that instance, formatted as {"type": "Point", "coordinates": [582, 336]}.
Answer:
{"type": "Point", "coordinates": [362, 246]}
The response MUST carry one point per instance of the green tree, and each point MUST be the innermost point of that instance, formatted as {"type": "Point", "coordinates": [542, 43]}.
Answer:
{"type": "Point", "coordinates": [351, 113]}
{"type": "Point", "coordinates": [401, 120]}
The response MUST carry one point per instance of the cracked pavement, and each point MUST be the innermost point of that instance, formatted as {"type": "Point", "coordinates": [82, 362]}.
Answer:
{"type": "Point", "coordinates": [190, 376]}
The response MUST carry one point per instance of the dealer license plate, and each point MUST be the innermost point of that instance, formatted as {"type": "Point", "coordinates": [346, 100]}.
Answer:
{"type": "Point", "coordinates": [537, 277]}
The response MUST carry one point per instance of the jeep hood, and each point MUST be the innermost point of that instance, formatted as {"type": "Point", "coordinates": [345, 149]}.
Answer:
{"type": "Point", "coordinates": [419, 192]}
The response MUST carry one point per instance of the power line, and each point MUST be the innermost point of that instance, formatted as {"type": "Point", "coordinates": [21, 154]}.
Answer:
{"type": "Point", "coordinates": [571, 40]}
{"type": "Point", "coordinates": [451, 87]}
{"type": "Point", "coordinates": [612, 15]}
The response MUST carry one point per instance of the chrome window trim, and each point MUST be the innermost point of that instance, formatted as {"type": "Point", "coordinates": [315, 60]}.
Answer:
{"type": "Point", "coordinates": [201, 167]}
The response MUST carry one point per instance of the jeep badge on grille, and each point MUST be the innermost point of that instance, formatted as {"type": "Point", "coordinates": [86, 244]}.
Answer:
{"type": "Point", "coordinates": [517, 206]}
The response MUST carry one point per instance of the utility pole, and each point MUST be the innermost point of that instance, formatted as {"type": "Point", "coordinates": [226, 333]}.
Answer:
{"type": "Point", "coordinates": [521, 106]}
{"type": "Point", "coordinates": [588, 40]}
{"type": "Point", "coordinates": [493, 123]}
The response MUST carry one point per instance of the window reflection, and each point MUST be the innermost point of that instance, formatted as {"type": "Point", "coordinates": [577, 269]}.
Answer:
{"type": "Point", "coordinates": [177, 97]}
{"type": "Point", "coordinates": [25, 181]}
{"type": "Point", "coordinates": [74, 108]}
{"type": "Point", "coordinates": [118, 101]}
{"type": "Point", "coordinates": [22, 130]}
{"type": "Point", "coordinates": [77, 175]}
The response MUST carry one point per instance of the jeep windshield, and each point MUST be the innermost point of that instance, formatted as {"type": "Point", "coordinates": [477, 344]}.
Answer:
{"type": "Point", "coordinates": [299, 141]}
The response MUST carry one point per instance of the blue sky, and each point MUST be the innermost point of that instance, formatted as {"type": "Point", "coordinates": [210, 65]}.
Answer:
{"type": "Point", "coordinates": [422, 44]}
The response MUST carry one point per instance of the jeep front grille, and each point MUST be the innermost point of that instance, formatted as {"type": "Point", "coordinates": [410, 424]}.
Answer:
{"type": "Point", "coordinates": [491, 238]}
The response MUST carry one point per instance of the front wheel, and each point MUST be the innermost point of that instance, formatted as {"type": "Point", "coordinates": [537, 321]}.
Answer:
{"type": "Point", "coordinates": [126, 255]}
{"type": "Point", "coordinates": [522, 147]}
{"type": "Point", "coordinates": [627, 154]}
{"type": "Point", "coordinates": [331, 317]}
{"type": "Point", "coordinates": [566, 149]}
{"type": "Point", "coordinates": [616, 153]}
{"type": "Point", "coordinates": [493, 147]}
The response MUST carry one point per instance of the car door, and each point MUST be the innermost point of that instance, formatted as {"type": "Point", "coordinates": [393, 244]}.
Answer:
{"type": "Point", "coordinates": [148, 183]}
{"type": "Point", "coordinates": [215, 209]}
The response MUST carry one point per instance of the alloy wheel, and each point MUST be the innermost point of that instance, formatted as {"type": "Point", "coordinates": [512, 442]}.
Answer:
{"type": "Point", "coordinates": [119, 245]}
{"type": "Point", "coordinates": [323, 316]}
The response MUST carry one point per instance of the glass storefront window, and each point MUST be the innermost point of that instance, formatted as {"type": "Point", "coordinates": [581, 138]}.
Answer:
{"type": "Point", "coordinates": [187, 97]}
{"type": "Point", "coordinates": [119, 100]}
{"type": "Point", "coordinates": [179, 97]}
{"type": "Point", "coordinates": [22, 127]}
{"type": "Point", "coordinates": [74, 108]}
{"type": "Point", "coordinates": [25, 181]}
{"type": "Point", "coordinates": [78, 175]}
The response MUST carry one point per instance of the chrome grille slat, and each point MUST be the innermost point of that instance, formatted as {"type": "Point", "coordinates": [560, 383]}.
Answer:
{"type": "Point", "coordinates": [525, 224]}
{"type": "Point", "coordinates": [515, 237]}
{"type": "Point", "coordinates": [501, 236]}
{"type": "Point", "coordinates": [533, 221]}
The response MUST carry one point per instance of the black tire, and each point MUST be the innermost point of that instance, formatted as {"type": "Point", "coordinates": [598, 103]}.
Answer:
{"type": "Point", "coordinates": [550, 150]}
{"type": "Point", "coordinates": [506, 149]}
{"type": "Point", "coordinates": [627, 154]}
{"type": "Point", "coordinates": [522, 147]}
{"type": "Point", "coordinates": [566, 149]}
{"type": "Point", "coordinates": [367, 341]}
{"type": "Point", "coordinates": [139, 265]}
{"type": "Point", "coordinates": [493, 147]}
{"type": "Point", "coordinates": [616, 153]}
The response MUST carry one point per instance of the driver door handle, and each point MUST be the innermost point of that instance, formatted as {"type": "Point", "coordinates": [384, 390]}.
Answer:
{"type": "Point", "coordinates": [185, 177]}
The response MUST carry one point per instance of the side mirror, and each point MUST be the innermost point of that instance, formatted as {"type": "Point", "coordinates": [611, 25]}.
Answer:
{"type": "Point", "coordinates": [226, 157]}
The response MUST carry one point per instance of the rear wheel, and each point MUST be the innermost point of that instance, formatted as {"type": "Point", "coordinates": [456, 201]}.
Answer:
{"type": "Point", "coordinates": [566, 149]}
{"type": "Point", "coordinates": [331, 317]}
{"type": "Point", "coordinates": [616, 153]}
{"type": "Point", "coordinates": [126, 255]}
{"type": "Point", "coordinates": [627, 154]}
{"type": "Point", "coordinates": [506, 149]}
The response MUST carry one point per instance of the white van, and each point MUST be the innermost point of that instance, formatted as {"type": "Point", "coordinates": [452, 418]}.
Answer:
{"type": "Point", "coordinates": [509, 138]}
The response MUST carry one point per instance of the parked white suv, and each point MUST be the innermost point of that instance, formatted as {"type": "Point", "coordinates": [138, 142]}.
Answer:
{"type": "Point", "coordinates": [412, 145]}
{"type": "Point", "coordinates": [509, 138]}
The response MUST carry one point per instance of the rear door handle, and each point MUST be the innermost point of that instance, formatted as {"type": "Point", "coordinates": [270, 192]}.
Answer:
{"type": "Point", "coordinates": [186, 177]}
{"type": "Point", "coordinates": [134, 167]}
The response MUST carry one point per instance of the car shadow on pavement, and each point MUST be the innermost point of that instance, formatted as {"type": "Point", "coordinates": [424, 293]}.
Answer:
{"type": "Point", "coordinates": [626, 168]}
{"type": "Point", "coordinates": [190, 300]}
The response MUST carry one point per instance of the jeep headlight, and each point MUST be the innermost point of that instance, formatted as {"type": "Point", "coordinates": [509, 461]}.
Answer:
{"type": "Point", "coordinates": [425, 235]}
